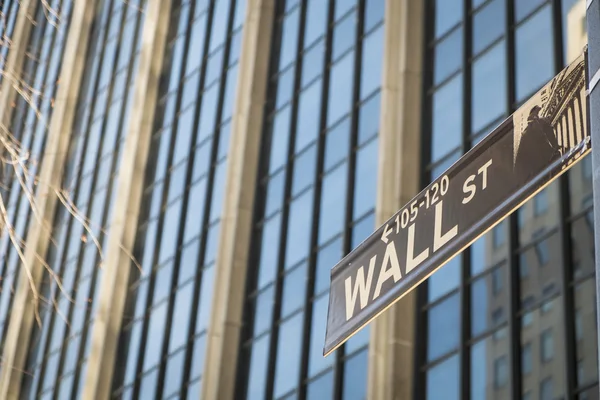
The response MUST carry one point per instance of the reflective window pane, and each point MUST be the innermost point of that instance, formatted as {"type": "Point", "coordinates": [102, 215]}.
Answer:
{"type": "Point", "coordinates": [534, 53]}
{"type": "Point", "coordinates": [447, 14]}
{"type": "Point", "coordinates": [448, 56]}
{"type": "Point", "coordinates": [489, 296]}
{"type": "Point", "coordinates": [489, 24]}
{"type": "Point", "coordinates": [444, 327]}
{"type": "Point", "coordinates": [489, 87]}
{"type": "Point", "coordinates": [586, 331]}
{"type": "Point", "coordinates": [447, 118]}
{"type": "Point", "coordinates": [443, 380]}
{"type": "Point", "coordinates": [299, 223]}
{"type": "Point", "coordinates": [355, 377]}
{"type": "Point", "coordinates": [288, 355]}
{"type": "Point", "coordinates": [445, 279]}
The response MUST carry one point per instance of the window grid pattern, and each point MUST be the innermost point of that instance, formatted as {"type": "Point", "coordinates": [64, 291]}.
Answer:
{"type": "Point", "coordinates": [315, 197]}
{"type": "Point", "coordinates": [60, 347]}
{"type": "Point", "coordinates": [496, 317]}
{"type": "Point", "coordinates": [168, 308]}
{"type": "Point", "coordinates": [9, 9]}
{"type": "Point", "coordinates": [29, 132]}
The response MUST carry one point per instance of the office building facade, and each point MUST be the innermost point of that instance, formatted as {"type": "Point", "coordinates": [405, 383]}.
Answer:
{"type": "Point", "coordinates": [180, 176]}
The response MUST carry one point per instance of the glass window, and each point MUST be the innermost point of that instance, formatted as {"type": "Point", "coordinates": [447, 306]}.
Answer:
{"type": "Point", "coordinates": [294, 291]}
{"type": "Point", "coordinates": [316, 361]}
{"type": "Point", "coordinates": [289, 351]}
{"type": "Point", "coordinates": [333, 201]}
{"type": "Point", "coordinates": [546, 391]}
{"type": "Point", "coordinates": [443, 380]}
{"type": "Point", "coordinates": [206, 291]}
{"type": "Point", "coordinates": [443, 328]}
{"type": "Point", "coordinates": [214, 67]}
{"type": "Point", "coordinates": [299, 224]}
{"type": "Point", "coordinates": [447, 118]}
{"type": "Point", "coordinates": [344, 35]}
{"type": "Point", "coordinates": [525, 7]}
{"type": "Point", "coordinates": [340, 89]}
{"type": "Point", "coordinates": [486, 301]}
{"type": "Point", "coordinates": [342, 7]}
{"type": "Point", "coordinates": [445, 279]}
{"type": "Point", "coordinates": [355, 377]}
{"type": "Point", "coordinates": [448, 56]}
{"type": "Point", "coordinates": [289, 38]}
{"type": "Point", "coordinates": [309, 110]}
{"type": "Point", "coordinates": [316, 21]}
{"type": "Point", "coordinates": [312, 62]}
{"type": "Point", "coordinates": [327, 258]}
{"type": "Point", "coordinates": [285, 86]}
{"type": "Point", "coordinates": [374, 13]}
{"type": "Point", "coordinates": [181, 316]}
{"type": "Point", "coordinates": [195, 212]}
{"type": "Point", "coordinates": [489, 87]}
{"type": "Point", "coordinates": [500, 372]}
{"type": "Point", "coordinates": [482, 362]}
{"type": "Point", "coordinates": [321, 388]}
{"type": "Point", "coordinates": [447, 14]}
{"type": "Point", "coordinates": [174, 373]}
{"type": "Point", "coordinates": [263, 310]}
{"type": "Point", "coordinates": [363, 229]}
{"type": "Point", "coordinates": [275, 188]}
{"type": "Point", "coordinates": [337, 144]}
{"type": "Point", "coordinates": [372, 56]}
{"type": "Point", "coordinates": [269, 251]}
{"type": "Point", "coordinates": [586, 330]}
{"type": "Point", "coordinates": [305, 166]}
{"type": "Point", "coordinates": [365, 185]}
{"type": "Point", "coordinates": [280, 139]}
{"type": "Point", "coordinates": [368, 120]}
{"type": "Point", "coordinates": [488, 24]}
{"type": "Point", "coordinates": [497, 281]}
{"type": "Point", "coordinates": [547, 345]}
{"type": "Point", "coordinates": [534, 53]}
{"type": "Point", "coordinates": [155, 336]}
{"type": "Point", "coordinates": [540, 203]}
{"type": "Point", "coordinates": [259, 361]}
{"type": "Point", "coordinates": [526, 359]}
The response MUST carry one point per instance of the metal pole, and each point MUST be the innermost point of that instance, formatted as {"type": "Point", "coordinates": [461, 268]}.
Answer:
{"type": "Point", "coordinates": [593, 27]}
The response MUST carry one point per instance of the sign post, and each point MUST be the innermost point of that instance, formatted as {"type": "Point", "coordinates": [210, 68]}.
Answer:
{"type": "Point", "coordinates": [593, 28]}
{"type": "Point", "coordinates": [525, 153]}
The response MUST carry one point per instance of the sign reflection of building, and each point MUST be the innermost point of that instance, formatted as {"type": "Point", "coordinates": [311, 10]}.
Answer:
{"type": "Point", "coordinates": [565, 111]}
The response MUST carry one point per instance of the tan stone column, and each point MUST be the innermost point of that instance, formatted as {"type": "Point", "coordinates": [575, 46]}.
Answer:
{"type": "Point", "coordinates": [59, 134]}
{"type": "Point", "coordinates": [121, 237]}
{"type": "Point", "coordinates": [391, 344]}
{"type": "Point", "coordinates": [222, 347]}
{"type": "Point", "coordinates": [16, 55]}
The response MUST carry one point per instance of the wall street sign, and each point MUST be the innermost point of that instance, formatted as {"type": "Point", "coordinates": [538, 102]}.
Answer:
{"type": "Point", "coordinates": [526, 152]}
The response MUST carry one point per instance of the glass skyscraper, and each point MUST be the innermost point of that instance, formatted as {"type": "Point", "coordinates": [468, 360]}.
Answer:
{"type": "Point", "coordinates": [180, 176]}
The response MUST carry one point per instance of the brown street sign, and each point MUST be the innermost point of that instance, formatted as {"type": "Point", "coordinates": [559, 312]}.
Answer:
{"type": "Point", "coordinates": [526, 152]}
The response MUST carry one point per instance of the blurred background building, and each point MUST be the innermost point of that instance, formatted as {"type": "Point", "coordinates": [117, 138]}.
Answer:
{"type": "Point", "coordinates": [200, 166]}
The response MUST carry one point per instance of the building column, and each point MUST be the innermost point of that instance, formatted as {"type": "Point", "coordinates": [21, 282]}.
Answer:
{"type": "Point", "coordinates": [130, 184]}
{"type": "Point", "coordinates": [390, 370]}
{"type": "Point", "coordinates": [225, 325]}
{"type": "Point", "coordinates": [16, 56]}
{"type": "Point", "coordinates": [59, 133]}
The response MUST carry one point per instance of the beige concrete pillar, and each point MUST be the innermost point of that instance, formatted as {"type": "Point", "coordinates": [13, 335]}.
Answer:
{"type": "Point", "coordinates": [391, 343]}
{"type": "Point", "coordinates": [123, 227]}
{"type": "Point", "coordinates": [59, 134]}
{"type": "Point", "coordinates": [16, 55]}
{"type": "Point", "coordinates": [222, 347]}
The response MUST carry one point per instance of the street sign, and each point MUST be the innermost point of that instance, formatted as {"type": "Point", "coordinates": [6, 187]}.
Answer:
{"type": "Point", "coordinates": [526, 152]}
